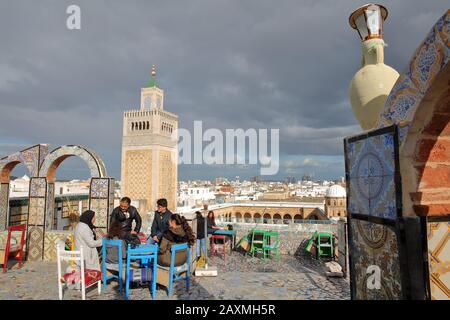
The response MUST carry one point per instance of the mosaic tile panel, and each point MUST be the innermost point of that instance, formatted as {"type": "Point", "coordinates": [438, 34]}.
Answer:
{"type": "Point", "coordinates": [100, 207]}
{"type": "Point", "coordinates": [38, 187]}
{"type": "Point", "coordinates": [371, 166]}
{"type": "Point", "coordinates": [30, 158]}
{"type": "Point", "coordinates": [50, 207]}
{"type": "Point", "coordinates": [35, 243]}
{"type": "Point", "coordinates": [439, 259]}
{"type": "Point", "coordinates": [374, 244]}
{"type": "Point", "coordinates": [428, 60]}
{"type": "Point", "coordinates": [36, 211]}
{"type": "Point", "coordinates": [100, 188]}
{"type": "Point", "coordinates": [4, 205]}
{"type": "Point", "coordinates": [51, 239]}
{"type": "Point", "coordinates": [358, 199]}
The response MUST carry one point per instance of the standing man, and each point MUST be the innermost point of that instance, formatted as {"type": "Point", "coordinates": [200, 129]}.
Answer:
{"type": "Point", "coordinates": [160, 221]}
{"type": "Point", "coordinates": [125, 214]}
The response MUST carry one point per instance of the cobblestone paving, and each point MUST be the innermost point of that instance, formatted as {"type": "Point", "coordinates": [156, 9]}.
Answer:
{"type": "Point", "coordinates": [240, 277]}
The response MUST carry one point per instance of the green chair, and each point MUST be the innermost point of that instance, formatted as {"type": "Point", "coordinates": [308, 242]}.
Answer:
{"type": "Point", "coordinates": [257, 242]}
{"type": "Point", "coordinates": [268, 247]}
{"type": "Point", "coordinates": [325, 248]}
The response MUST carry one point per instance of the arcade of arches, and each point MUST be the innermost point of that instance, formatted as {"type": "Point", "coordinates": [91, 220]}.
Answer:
{"type": "Point", "coordinates": [267, 214]}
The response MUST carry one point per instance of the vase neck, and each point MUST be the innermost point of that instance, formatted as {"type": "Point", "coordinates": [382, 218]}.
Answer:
{"type": "Point", "coordinates": [373, 52]}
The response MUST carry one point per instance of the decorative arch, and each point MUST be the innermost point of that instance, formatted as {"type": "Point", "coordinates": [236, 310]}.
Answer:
{"type": "Point", "coordinates": [420, 104]}
{"type": "Point", "coordinates": [298, 217]}
{"type": "Point", "coordinates": [42, 199]}
{"type": "Point", "coordinates": [31, 158]}
{"type": "Point", "coordinates": [238, 217]}
{"type": "Point", "coordinates": [267, 218]}
{"type": "Point", "coordinates": [419, 107]}
{"type": "Point", "coordinates": [57, 156]}
{"type": "Point", "coordinates": [257, 218]}
{"type": "Point", "coordinates": [247, 217]}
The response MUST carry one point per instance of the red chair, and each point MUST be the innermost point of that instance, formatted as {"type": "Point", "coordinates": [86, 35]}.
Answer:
{"type": "Point", "coordinates": [219, 245]}
{"type": "Point", "coordinates": [14, 251]}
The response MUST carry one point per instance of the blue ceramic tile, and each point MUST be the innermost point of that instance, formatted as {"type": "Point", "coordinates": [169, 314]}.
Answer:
{"type": "Point", "coordinates": [359, 196]}
{"type": "Point", "coordinates": [382, 201]}
{"type": "Point", "coordinates": [357, 161]}
{"type": "Point", "coordinates": [381, 155]}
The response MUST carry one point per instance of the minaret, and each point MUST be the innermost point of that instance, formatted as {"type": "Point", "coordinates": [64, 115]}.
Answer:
{"type": "Point", "coordinates": [149, 150]}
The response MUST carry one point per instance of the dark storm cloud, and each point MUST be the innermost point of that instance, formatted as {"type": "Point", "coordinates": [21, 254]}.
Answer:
{"type": "Point", "coordinates": [232, 64]}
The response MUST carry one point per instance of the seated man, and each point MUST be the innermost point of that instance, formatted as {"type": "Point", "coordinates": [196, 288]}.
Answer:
{"type": "Point", "coordinates": [160, 221]}
{"type": "Point", "coordinates": [125, 214]}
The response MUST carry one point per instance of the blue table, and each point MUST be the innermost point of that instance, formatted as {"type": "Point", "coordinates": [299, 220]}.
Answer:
{"type": "Point", "coordinates": [228, 233]}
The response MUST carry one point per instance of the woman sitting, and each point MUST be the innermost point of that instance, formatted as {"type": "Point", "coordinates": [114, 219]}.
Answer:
{"type": "Point", "coordinates": [211, 223]}
{"type": "Point", "coordinates": [85, 236]}
{"type": "Point", "coordinates": [179, 232]}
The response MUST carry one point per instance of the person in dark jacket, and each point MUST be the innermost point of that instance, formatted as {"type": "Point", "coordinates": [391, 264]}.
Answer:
{"type": "Point", "coordinates": [125, 214]}
{"type": "Point", "coordinates": [201, 240]}
{"type": "Point", "coordinates": [179, 232]}
{"type": "Point", "coordinates": [160, 221]}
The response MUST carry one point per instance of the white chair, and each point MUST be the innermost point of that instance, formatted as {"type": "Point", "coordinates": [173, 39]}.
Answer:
{"type": "Point", "coordinates": [87, 277]}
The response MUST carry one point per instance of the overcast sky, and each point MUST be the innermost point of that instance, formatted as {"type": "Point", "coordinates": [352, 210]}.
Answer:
{"type": "Point", "coordinates": [244, 64]}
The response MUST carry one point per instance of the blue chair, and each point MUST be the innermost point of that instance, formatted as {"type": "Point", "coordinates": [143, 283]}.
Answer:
{"type": "Point", "coordinates": [176, 273]}
{"type": "Point", "coordinates": [145, 254]}
{"type": "Point", "coordinates": [112, 243]}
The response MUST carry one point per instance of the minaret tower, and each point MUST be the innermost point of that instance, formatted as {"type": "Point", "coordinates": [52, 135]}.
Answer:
{"type": "Point", "coordinates": [149, 150]}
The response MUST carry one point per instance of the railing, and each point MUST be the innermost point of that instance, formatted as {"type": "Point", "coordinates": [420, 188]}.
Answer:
{"type": "Point", "coordinates": [302, 226]}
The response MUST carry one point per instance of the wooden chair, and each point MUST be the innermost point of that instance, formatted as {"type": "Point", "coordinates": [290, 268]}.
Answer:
{"type": "Point", "coordinates": [13, 251]}
{"type": "Point", "coordinates": [85, 277]}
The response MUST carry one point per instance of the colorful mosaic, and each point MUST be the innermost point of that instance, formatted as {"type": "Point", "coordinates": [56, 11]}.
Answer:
{"type": "Point", "coordinates": [100, 207]}
{"type": "Point", "coordinates": [439, 259]}
{"type": "Point", "coordinates": [51, 239]}
{"type": "Point", "coordinates": [99, 188]}
{"type": "Point", "coordinates": [35, 243]}
{"type": "Point", "coordinates": [371, 175]}
{"type": "Point", "coordinates": [36, 214]}
{"type": "Point", "coordinates": [31, 158]}
{"type": "Point", "coordinates": [50, 207]}
{"type": "Point", "coordinates": [38, 187]}
{"type": "Point", "coordinates": [374, 244]}
{"type": "Point", "coordinates": [96, 166]}
{"type": "Point", "coordinates": [428, 60]}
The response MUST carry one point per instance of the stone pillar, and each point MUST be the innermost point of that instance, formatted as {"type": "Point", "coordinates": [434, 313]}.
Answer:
{"type": "Point", "coordinates": [36, 219]}
{"type": "Point", "coordinates": [101, 200]}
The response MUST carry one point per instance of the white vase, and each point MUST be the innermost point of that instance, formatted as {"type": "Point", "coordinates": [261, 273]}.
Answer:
{"type": "Point", "coordinates": [371, 85]}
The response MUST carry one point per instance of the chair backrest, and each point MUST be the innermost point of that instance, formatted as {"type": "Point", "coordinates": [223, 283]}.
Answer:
{"type": "Point", "coordinates": [142, 251]}
{"type": "Point", "coordinates": [258, 233]}
{"type": "Point", "coordinates": [111, 243]}
{"type": "Point", "coordinates": [179, 247]}
{"type": "Point", "coordinates": [273, 234]}
{"type": "Point", "coordinates": [22, 228]}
